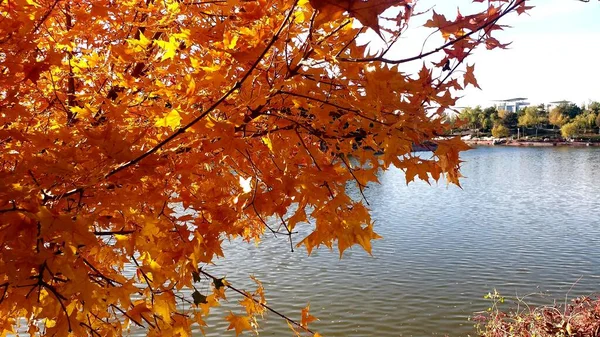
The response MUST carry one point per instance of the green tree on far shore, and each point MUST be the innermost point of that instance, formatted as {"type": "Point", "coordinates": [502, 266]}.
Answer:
{"type": "Point", "coordinates": [594, 107]}
{"type": "Point", "coordinates": [533, 116]}
{"type": "Point", "coordinates": [500, 131]}
{"type": "Point", "coordinates": [557, 118]}
{"type": "Point", "coordinates": [569, 130]}
{"type": "Point", "coordinates": [586, 120]}
{"type": "Point", "coordinates": [570, 110]}
{"type": "Point", "coordinates": [579, 125]}
{"type": "Point", "coordinates": [508, 119]}
{"type": "Point", "coordinates": [472, 117]}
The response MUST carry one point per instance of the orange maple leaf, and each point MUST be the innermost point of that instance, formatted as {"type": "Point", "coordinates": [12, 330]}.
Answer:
{"type": "Point", "coordinates": [367, 12]}
{"type": "Point", "coordinates": [306, 317]}
{"type": "Point", "coordinates": [470, 76]}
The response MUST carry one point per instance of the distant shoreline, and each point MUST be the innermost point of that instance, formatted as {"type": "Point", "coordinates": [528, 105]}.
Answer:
{"type": "Point", "coordinates": [516, 143]}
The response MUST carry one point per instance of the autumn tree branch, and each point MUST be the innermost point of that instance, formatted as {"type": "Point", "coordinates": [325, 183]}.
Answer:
{"type": "Point", "coordinates": [383, 59]}
{"type": "Point", "coordinates": [124, 313]}
{"type": "Point", "coordinates": [71, 101]}
{"type": "Point", "coordinates": [5, 289]}
{"type": "Point", "coordinates": [360, 186]}
{"type": "Point", "coordinates": [257, 302]}
{"type": "Point", "coordinates": [14, 208]}
{"type": "Point", "coordinates": [237, 85]}
{"type": "Point", "coordinates": [45, 17]}
{"type": "Point", "coordinates": [110, 281]}
{"type": "Point", "coordinates": [109, 233]}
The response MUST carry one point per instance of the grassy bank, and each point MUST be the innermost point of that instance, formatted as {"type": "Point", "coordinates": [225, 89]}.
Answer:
{"type": "Point", "coordinates": [578, 318]}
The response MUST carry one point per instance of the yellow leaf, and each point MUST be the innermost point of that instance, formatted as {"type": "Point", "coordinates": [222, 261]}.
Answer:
{"type": "Point", "coordinates": [142, 42]}
{"type": "Point", "coordinates": [239, 323]}
{"type": "Point", "coordinates": [268, 142]}
{"type": "Point", "coordinates": [210, 122]}
{"type": "Point", "coordinates": [173, 7]}
{"type": "Point", "coordinates": [172, 120]}
{"type": "Point", "coordinates": [191, 89]}
{"type": "Point", "coordinates": [210, 69]}
{"type": "Point", "coordinates": [81, 112]}
{"type": "Point", "coordinates": [299, 17]}
{"type": "Point", "coordinates": [164, 305]}
{"type": "Point", "coordinates": [230, 42]}
{"type": "Point", "coordinates": [33, 3]}
{"type": "Point", "coordinates": [49, 323]}
{"type": "Point", "coordinates": [169, 48]}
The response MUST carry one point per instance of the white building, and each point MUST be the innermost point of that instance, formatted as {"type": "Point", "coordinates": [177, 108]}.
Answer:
{"type": "Point", "coordinates": [556, 103]}
{"type": "Point", "coordinates": [511, 104]}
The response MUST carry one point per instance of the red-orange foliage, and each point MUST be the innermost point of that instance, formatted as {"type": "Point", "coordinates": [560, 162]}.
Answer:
{"type": "Point", "coordinates": [112, 113]}
{"type": "Point", "coordinates": [578, 318]}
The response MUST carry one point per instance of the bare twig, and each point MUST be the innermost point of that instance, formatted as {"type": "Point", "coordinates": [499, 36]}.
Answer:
{"type": "Point", "coordinates": [109, 233]}
{"type": "Point", "coordinates": [259, 303]}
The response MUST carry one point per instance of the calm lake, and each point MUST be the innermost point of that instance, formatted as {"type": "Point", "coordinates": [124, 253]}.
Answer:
{"type": "Point", "coordinates": [527, 220]}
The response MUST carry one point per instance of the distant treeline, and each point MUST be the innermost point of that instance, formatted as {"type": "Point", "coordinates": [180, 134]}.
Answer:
{"type": "Point", "coordinates": [571, 119]}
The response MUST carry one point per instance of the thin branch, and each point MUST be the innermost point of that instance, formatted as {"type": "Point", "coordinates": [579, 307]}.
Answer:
{"type": "Point", "coordinates": [287, 228]}
{"type": "Point", "coordinates": [60, 298]}
{"type": "Point", "coordinates": [145, 277]}
{"type": "Point", "coordinates": [14, 208]}
{"type": "Point", "coordinates": [128, 316]}
{"type": "Point", "coordinates": [355, 111]}
{"type": "Point", "coordinates": [358, 183]}
{"type": "Point", "coordinates": [71, 100]}
{"type": "Point", "coordinates": [308, 151]}
{"type": "Point", "coordinates": [104, 277]}
{"type": "Point", "coordinates": [92, 330]}
{"type": "Point", "coordinates": [318, 100]}
{"type": "Point", "coordinates": [325, 183]}
{"type": "Point", "coordinates": [252, 203]}
{"type": "Point", "coordinates": [108, 233]}
{"type": "Point", "coordinates": [45, 17]}
{"type": "Point", "coordinates": [438, 49]}
{"type": "Point", "coordinates": [259, 303]}
{"type": "Point", "coordinates": [5, 286]}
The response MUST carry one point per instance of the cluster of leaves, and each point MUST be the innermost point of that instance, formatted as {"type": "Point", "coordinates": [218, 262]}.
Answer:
{"type": "Point", "coordinates": [143, 133]}
{"type": "Point", "coordinates": [579, 318]}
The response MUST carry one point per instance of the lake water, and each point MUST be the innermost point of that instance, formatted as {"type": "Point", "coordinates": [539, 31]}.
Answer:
{"type": "Point", "coordinates": [527, 220]}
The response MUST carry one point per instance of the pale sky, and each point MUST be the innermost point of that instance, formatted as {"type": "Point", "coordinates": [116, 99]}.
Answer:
{"type": "Point", "coordinates": [554, 55]}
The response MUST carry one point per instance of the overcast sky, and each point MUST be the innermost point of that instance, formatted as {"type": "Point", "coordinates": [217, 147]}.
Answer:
{"type": "Point", "coordinates": [554, 55]}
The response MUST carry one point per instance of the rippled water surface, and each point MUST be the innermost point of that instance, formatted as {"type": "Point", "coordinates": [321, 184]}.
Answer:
{"type": "Point", "coordinates": [527, 220]}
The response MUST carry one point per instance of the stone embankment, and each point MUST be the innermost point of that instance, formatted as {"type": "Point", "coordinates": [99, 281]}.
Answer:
{"type": "Point", "coordinates": [524, 143]}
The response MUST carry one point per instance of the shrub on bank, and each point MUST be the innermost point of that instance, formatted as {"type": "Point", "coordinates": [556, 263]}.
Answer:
{"type": "Point", "coordinates": [578, 318]}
